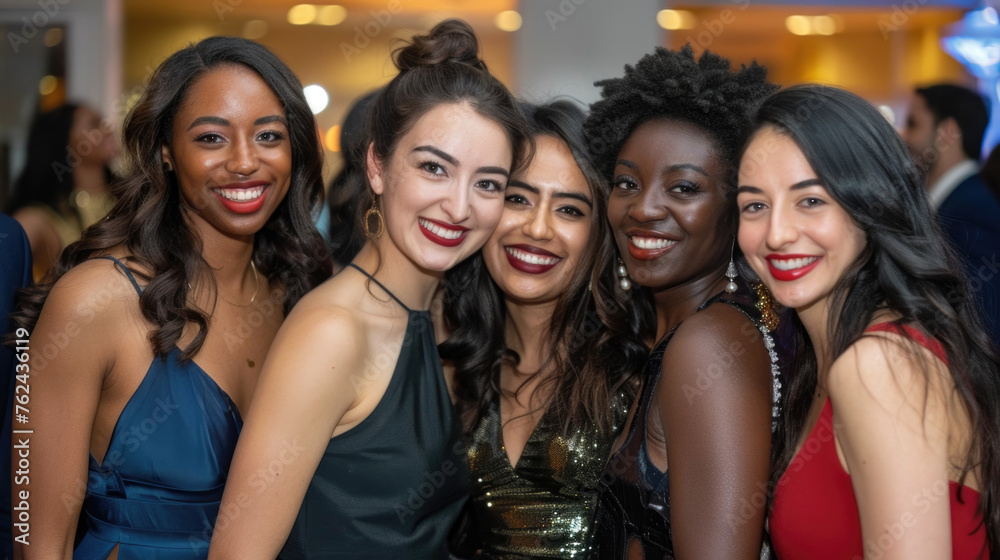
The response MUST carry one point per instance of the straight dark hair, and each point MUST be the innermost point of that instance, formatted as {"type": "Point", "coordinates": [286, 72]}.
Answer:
{"type": "Point", "coordinates": [907, 267]}
{"type": "Point", "coordinates": [595, 338]}
{"type": "Point", "coordinates": [149, 218]}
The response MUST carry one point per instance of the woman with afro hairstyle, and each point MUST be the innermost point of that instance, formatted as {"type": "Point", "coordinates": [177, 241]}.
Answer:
{"type": "Point", "coordinates": [666, 135]}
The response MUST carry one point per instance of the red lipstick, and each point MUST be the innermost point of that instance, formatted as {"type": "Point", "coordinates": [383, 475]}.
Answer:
{"type": "Point", "coordinates": [528, 267]}
{"type": "Point", "coordinates": [445, 241]}
{"type": "Point", "coordinates": [243, 206]}
{"type": "Point", "coordinates": [794, 273]}
{"type": "Point", "coordinates": [644, 254]}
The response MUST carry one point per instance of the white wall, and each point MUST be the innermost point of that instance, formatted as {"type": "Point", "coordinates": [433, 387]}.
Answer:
{"type": "Point", "coordinates": [563, 46]}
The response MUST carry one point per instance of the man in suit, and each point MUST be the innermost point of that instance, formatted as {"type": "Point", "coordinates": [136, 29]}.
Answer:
{"type": "Point", "coordinates": [944, 131]}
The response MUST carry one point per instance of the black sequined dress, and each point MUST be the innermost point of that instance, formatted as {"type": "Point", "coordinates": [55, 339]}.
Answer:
{"type": "Point", "coordinates": [634, 497]}
{"type": "Point", "coordinates": [543, 507]}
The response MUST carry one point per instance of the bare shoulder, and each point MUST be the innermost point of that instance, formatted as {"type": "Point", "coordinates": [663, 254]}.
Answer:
{"type": "Point", "coordinates": [720, 321]}
{"type": "Point", "coordinates": [891, 369]}
{"type": "Point", "coordinates": [719, 331]}
{"type": "Point", "coordinates": [35, 221]}
{"type": "Point", "coordinates": [718, 348]}
{"type": "Point", "coordinates": [321, 333]}
{"type": "Point", "coordinates": [91, 290]}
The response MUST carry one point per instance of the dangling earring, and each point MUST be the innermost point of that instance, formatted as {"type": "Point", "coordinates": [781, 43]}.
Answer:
{"type": "Point", "coordinates": [623, 279]}
{"type": "Point", "coordinates": [374, 211]}
{"type": "Point", "coordinates": [731, 271]}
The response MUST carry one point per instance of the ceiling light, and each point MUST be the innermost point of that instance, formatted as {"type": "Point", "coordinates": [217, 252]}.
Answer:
{"type": "Point", "coordinates": [508, 20]}
{"type": "Point", "coordinates": [331, 15]}
{"type": "Point", "coordinates": [675, 19]}
{"type": "Point", "coordinates": [316, 97]}
{"type": "Point", "coordinates": [302, 14]}
{"type": "Point", "coordinates": [798, 25]}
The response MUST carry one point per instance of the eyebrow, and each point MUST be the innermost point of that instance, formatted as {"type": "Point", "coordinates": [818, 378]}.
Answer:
{"type": "Point", "coordinates": [676, 167]}
{"type": "Point", "coordinates": [799, 185]}
{"type": "Point", "coordinates": [219, 121]}
{"type": "Point", "coordinates": [575, 196]}
{"type": "Point", "coordinates": [443, 155]}
{"type": "Point", "coordinates": [451, 159]}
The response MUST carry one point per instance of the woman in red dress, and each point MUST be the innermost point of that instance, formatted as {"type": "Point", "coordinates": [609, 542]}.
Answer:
{"type": "Point", "coordinates": [888, 445]}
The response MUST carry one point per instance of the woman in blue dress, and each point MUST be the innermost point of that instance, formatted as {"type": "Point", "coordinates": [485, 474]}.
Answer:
{"type": "Point", "coordinates": [146, 347]}
{"type": "Point", "coordinates": [351, 448]}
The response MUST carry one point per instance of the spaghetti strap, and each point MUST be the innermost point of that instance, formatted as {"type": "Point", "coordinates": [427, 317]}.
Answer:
{"type": "Point", "coordinates": [128, 273]}
{"type": "Point", "coordinates": [379, 284]}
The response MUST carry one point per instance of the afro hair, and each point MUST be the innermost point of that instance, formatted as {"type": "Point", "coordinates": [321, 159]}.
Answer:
{"type": "Point", "coordinates": [672, 85]}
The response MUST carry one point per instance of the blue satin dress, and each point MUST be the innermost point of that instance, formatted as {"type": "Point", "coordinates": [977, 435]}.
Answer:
{"type": "Point", "coordinates": [156, 495]}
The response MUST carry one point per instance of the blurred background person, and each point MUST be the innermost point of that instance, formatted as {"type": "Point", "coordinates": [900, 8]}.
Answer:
{"type": "Point", "coordinates": [63, 188]}
{"type": "Point", "coordinates": [990, 172]}
{"type": "Point", "coordinates": [944, 131]}
{"type": "Point", "coordinates": [347, 190]}
{"type": "Point", "coordinates": [548, 350]}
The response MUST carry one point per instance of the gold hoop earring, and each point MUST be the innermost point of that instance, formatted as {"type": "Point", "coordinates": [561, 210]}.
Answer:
{"type": "Point", "coordinates": [377, 214]}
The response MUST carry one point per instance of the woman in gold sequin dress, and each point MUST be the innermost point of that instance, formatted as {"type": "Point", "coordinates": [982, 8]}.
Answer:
{"type": "Point", "coordinates": [546, 353]}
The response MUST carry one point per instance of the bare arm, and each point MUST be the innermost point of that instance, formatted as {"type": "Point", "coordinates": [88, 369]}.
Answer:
{"type": "Point", "coordinates": [892, 427]}
{"type": "Point", "coordinates": [42, 237]}
{"type": "Point", "coordinates": [303, 392]}
{"type": "Point", "coordinates": [714, 398]}
{"type": "Point", "coordinates": [71, 350]}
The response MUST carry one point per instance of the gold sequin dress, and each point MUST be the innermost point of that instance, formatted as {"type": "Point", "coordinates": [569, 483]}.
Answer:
{"type": "Point", "coordinates": [543, 507]}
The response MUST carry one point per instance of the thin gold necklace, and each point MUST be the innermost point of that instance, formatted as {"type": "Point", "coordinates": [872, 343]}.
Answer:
{"type": "Point", "coordinates": [256, 287]}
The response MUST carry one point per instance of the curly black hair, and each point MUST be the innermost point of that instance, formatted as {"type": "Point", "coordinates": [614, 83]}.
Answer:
{"type": "Point", "coordinates": [671, 84]}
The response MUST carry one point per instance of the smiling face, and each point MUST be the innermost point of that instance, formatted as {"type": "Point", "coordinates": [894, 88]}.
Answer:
{"type": "Point", "coordinates": [797, 238]}
{"type": "Point", "coordinates": [230, 151]}
{"type": "Point", "coordinates": [441, 192]}
{"type": "Point", "coordinates": [92, 139]}
{"type": "Point", "coordinates": [545, 229]}
{"type": "Point", "coordinates": [668, 206]}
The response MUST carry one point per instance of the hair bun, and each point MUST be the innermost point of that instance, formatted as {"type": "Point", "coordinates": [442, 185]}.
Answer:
{"type": "Point", "coordinates": [451, 41]}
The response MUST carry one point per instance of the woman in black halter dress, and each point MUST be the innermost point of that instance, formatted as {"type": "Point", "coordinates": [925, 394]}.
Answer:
{"type": "Point", "coordinates": [351, 449]}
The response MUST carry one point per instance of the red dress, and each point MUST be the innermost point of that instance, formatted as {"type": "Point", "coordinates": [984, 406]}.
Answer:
{"type": "Point", "coordinates": [815, 514]}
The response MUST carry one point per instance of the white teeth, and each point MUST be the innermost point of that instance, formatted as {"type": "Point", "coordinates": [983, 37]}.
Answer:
{"type": "Point", "coordinates": [531, 258]}
{"type": "Point", "coordinates": [241, 195]}
{"type": "Point", "coordinates": [440, 231]}
{"type": "Point", "coordinates": [651, 242]}
{"type": "Point", "coordinates": [792, 264]}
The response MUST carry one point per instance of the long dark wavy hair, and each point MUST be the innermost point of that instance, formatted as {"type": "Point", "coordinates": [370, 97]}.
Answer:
{"type": "Point", "coordinates": [595, 337]}
{"type": "Point", "coordinates": [440, 67]}
{"type": "Point", "coordinates": [149, 217]}
{"type": "Point", "coordinates": [907, 268]}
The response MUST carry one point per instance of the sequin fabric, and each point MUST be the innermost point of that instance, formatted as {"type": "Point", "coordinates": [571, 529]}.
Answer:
{"type": "Point", "coordinates": [543, 508]}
